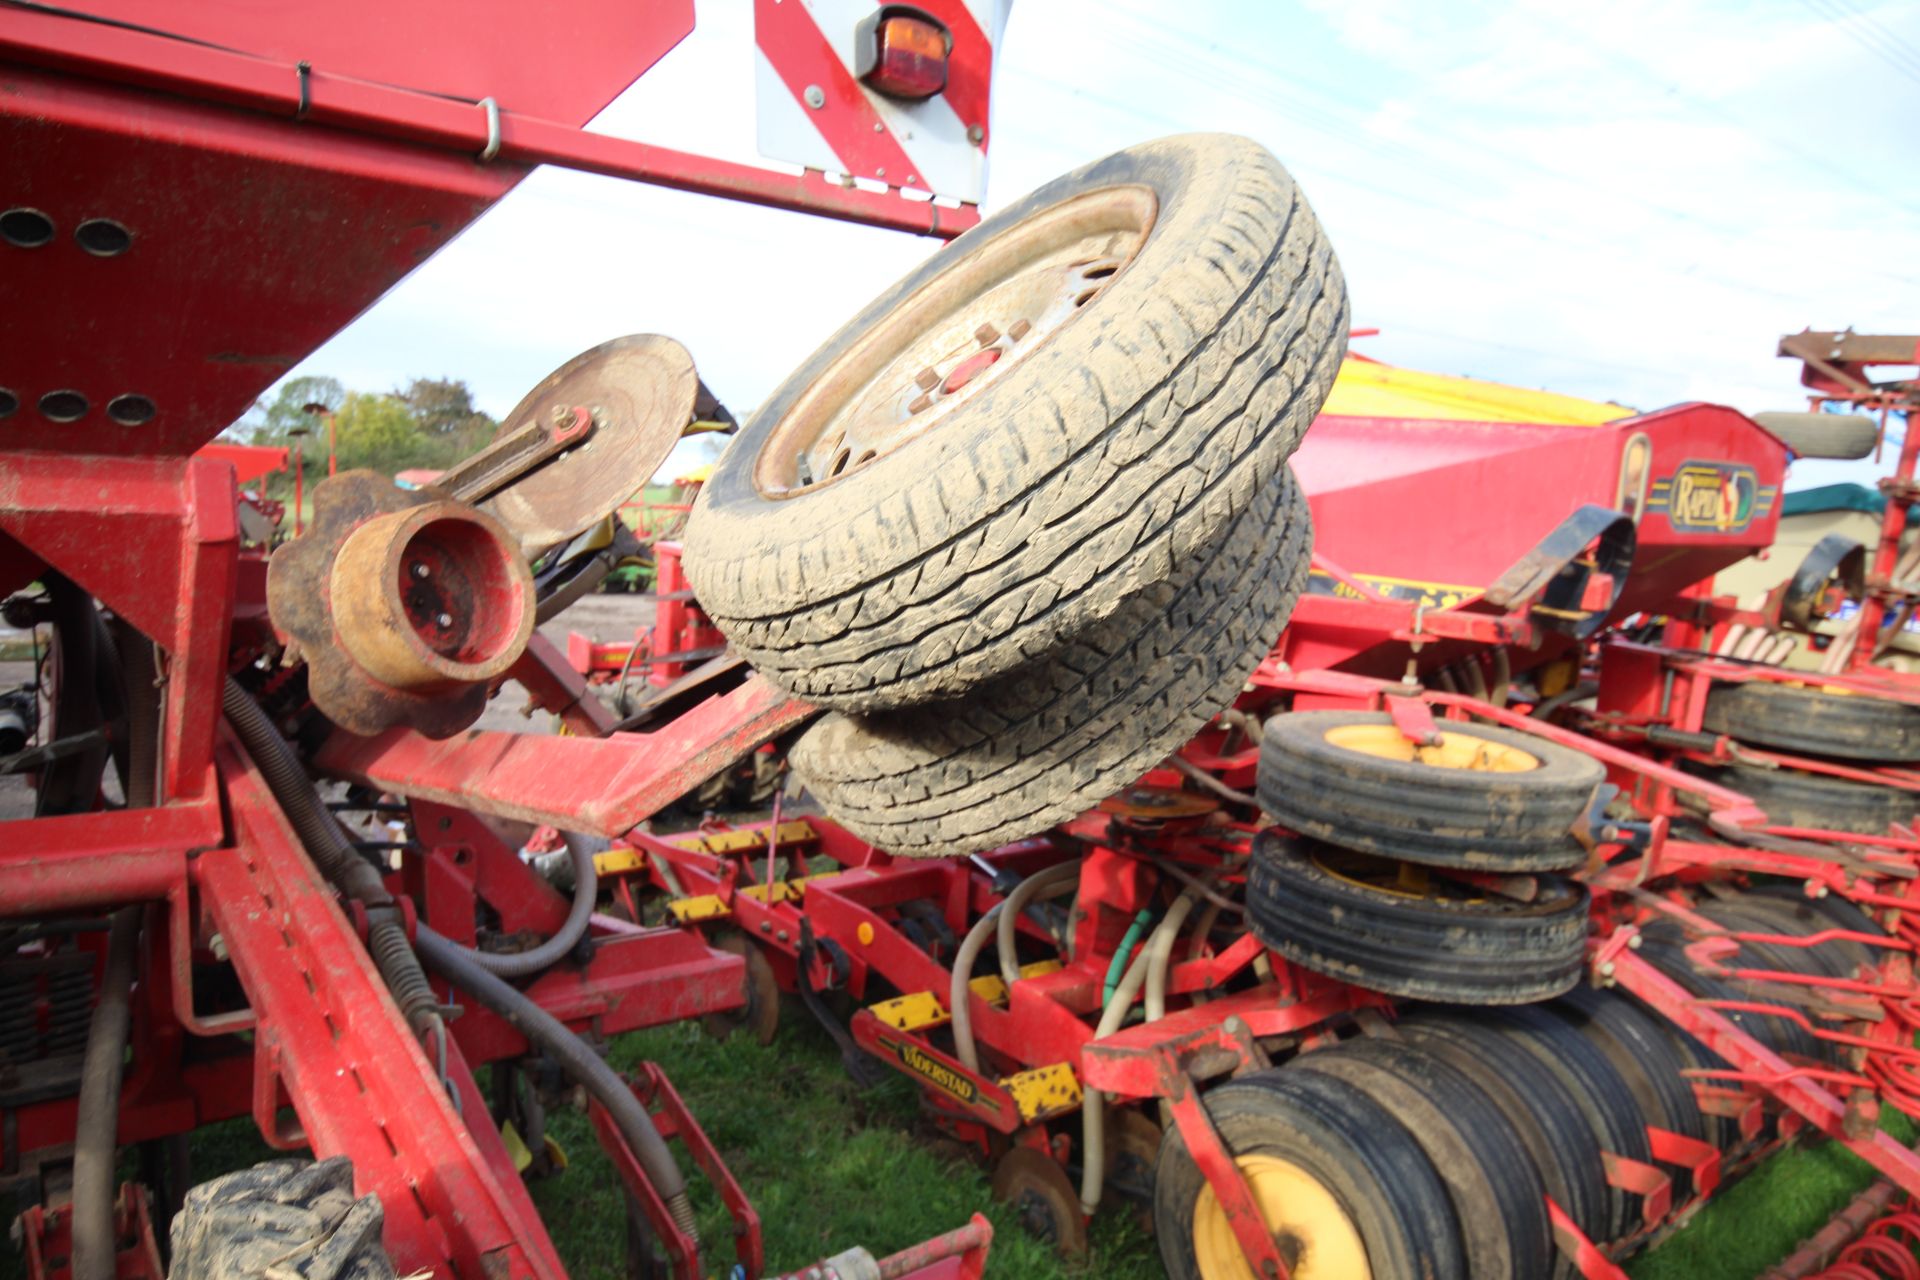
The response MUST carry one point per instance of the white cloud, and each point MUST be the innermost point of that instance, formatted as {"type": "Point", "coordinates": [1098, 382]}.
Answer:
{"type": "Point", "coordinates": [1629, 201]}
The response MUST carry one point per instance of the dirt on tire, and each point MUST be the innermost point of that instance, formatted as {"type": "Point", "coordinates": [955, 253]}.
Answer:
{"type": "Point", "coordinates": [1084, 472]}
{"type": "Point", "coordinates": [1026, 751]}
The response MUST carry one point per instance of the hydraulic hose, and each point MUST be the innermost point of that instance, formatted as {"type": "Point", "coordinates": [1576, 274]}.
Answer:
{"type": "Point", "coordinates": [327, 845]}
{"type": "Point", "coordinates": [96, 1130]}
{"type": "Point", "coordinates": [400, 965]}
{"type": "Point", "coordinates": [1093, 1104]}
{"type": "Point", "coordinates": [1056, 878]}
{"type": "Point", "coordinates": [519, 964]}
{"type": "Point", "coordinates": [580, 1063]}
{"type": "Point", "coordinates": [959, 1003]}
{"type": "Point", "coordinates": [97, 1125]}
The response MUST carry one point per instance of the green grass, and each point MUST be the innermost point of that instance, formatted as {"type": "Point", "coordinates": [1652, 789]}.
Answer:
{"type": "Point", "coordinates": [829, 1166]}
{"type": "Point", "coordinates": [826, 1165]}
{"type": "Point", "coordinates": [1760, 1219]}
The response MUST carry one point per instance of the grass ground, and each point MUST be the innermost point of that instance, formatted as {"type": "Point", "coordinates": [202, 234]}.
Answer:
{"type": "Point", "coordinates": [829, 1166]}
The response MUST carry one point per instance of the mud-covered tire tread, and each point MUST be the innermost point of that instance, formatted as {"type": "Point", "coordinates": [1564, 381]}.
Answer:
{"type": "Point", "coordinates": [1646, 1059]}
{"type": "Point", "coordinates": [1828, 912]}
{"type": "Point", "coordinates": [1048, 742]}
{"type": "Point", "coordinates": [1594, 1084]}
{"type": "Point", "coordinates": [1441, 817]}
{"type": "Point", "coordinates": [1556, 1135]}
{"type": "Point", "coordinates": [1491, 952]}
{"type": "Point", "coordinates": [1663, 948]}
{"type": "Point", "coordinates": [1497, 1195]}
{"type": "Point", "coordinates": [1347, 1141]}
{"type": "Point", "coordinates": [295, 1216]}
{"type": "Point", "coordinates": [1796, 798]}
{"type": "Point", "coordinates": [1083, 475]}
{"type": "Point", "coordinates": [1814, 722]}
{"type": "Point", "coordinates": [1823, 435]}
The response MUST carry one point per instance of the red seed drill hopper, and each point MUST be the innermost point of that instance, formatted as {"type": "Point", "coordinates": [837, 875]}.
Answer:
{"type": "Point", "coordinates": [195, 197]}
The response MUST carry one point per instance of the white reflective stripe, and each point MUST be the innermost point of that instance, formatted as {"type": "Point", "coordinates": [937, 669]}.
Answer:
{"type": "Point", "coordinates": [944, 160]}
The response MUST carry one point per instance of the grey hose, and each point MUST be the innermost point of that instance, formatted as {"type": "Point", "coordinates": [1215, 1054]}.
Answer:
{"type": "Point", "coordinates": [96, 1132]}
{"type": "Point", "coordinates": [959, 1004]}
{"type": "Point", "coordinates": [1160, 953]}
{"type": "Point", "coordinates": [1093, 1104]}
{"type": "Point", "coordinates": [581, 1064]}
{"type": "Point", "coordinates": [518, 964]}
{"type": "Point", "coordinates": [1050, 878]}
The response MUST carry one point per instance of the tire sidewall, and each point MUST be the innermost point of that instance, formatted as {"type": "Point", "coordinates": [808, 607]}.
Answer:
{"type": "Point", "coordinates": [732, 518]}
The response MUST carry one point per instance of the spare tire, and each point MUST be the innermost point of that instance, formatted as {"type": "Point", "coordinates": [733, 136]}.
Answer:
{"type": "Point", "coordinates": [1815, 722]}
{"type": "Point", "coordinates": [290, 1218]}
{"type": "Point", "coordinates": [1823, 435]}
{"type": "Point", "coordinates": [1048, 742]}
{"type": "Point", "coordinates": [1488, 798]}
{"type": "Point", "coordinates": [1338, 913]}
{"type": "Point", "coordinates": [1149, 337]}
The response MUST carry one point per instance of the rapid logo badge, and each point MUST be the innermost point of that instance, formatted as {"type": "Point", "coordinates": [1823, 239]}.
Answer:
{"type": "Point", "coordinates": [1712, 497]}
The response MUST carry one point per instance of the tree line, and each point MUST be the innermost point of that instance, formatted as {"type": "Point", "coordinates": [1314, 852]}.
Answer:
{"type": "Point", "coordinates": [430, 424]}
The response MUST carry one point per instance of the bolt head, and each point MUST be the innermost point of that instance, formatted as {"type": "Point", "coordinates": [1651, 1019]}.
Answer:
{"type": "Point", "coordinates": [976, 135]}
{"type": "Point", "coordinates": [814, 96]}
{"type": "Point", "coordinates": [420, 569]}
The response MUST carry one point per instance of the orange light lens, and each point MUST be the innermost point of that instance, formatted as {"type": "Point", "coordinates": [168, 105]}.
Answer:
{"type": "Point", "coordinates": [911, 60]}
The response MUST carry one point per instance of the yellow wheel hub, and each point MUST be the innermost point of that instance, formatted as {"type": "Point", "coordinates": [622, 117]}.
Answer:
{"type": "Point", "coordinates": [1298, 1209]}
{"type": "Point", "coordinates": [1455, 750]}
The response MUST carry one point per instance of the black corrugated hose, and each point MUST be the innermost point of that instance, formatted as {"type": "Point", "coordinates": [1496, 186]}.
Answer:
{"type": "Point", "coordinates": [328, 846]}
{"type": "Point", "coordinates": [578, 1060]}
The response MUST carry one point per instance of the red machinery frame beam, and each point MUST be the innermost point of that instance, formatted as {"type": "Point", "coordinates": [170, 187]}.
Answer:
{"type": "Point", "coordinates": [315, 97]}
{"type": "Point", "coordinates": [157, 540]}
{"type": "Point", "coordinates": [330, 1039]}
{"type": "Point", "coordinates": [603, 786]}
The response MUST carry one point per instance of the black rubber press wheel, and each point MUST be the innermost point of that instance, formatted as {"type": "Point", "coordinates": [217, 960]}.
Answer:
{"type": "Point", "coordinates": [1046, 418]}
{"type": "Point", "coordinates": [289, 1218]}
{"type": "Point", "coordinates": [1815, 722]}
{"type": "Point", "coordinates": [1370, 922]}
{"type": "Point", "coordinates": [1485, 797]}
{"type": "Point", "coordinates": [1345, 1189]}
{"type": "Point", "coordinates": [1052, 740]}
{"type": "Point", "coordinates": [1796, 798]}
{"type": "Point", "coordinates": [1536, 1104]}
{"type": "Point", "coordinates": [1497, 1194]}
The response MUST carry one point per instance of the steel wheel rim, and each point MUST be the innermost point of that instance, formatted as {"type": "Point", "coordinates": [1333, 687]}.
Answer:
{"type": "Point", "coordinates": [957, 335]}
{"type": "Point", "coordinates": [1300, 1211]}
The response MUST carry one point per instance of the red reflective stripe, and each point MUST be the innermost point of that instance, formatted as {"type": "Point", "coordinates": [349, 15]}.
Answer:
{"type": "Point", "coordinates": [802, 55]}
{"type": "Point", "coordinates": [969, 67]}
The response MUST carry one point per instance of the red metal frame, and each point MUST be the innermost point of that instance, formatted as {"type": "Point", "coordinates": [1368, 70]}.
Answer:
{"type": "Point", "coordinates": [226, 143]}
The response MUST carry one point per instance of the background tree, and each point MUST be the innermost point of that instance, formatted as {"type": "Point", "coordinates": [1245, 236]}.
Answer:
{"type": "Point", "coordinates": [270, 421]}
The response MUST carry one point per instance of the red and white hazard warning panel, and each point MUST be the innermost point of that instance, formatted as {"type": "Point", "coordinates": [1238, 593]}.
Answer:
{"type": "Point", "coordinates": [894, 93]}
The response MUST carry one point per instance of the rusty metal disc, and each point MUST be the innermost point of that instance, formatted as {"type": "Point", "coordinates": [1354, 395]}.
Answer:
{"type": "Point", "coordinates": [641, 391]}
{"type": "Point", "coordinates": [1044, 1199]}
{"type": "Point", "coordinates": [1157, 804]}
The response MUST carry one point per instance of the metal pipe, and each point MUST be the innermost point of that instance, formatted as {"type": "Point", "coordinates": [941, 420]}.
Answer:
{"type": "Point", "coordinates": [579, 1062]}
{"type": "Point", "coordinates": [96, 1131]}
{"type": "Point", "coordinates": [1055, 877]}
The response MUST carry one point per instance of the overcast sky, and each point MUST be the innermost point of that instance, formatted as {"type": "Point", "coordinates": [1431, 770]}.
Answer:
{"type": "Point", "coordinates": [1629, 201]}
